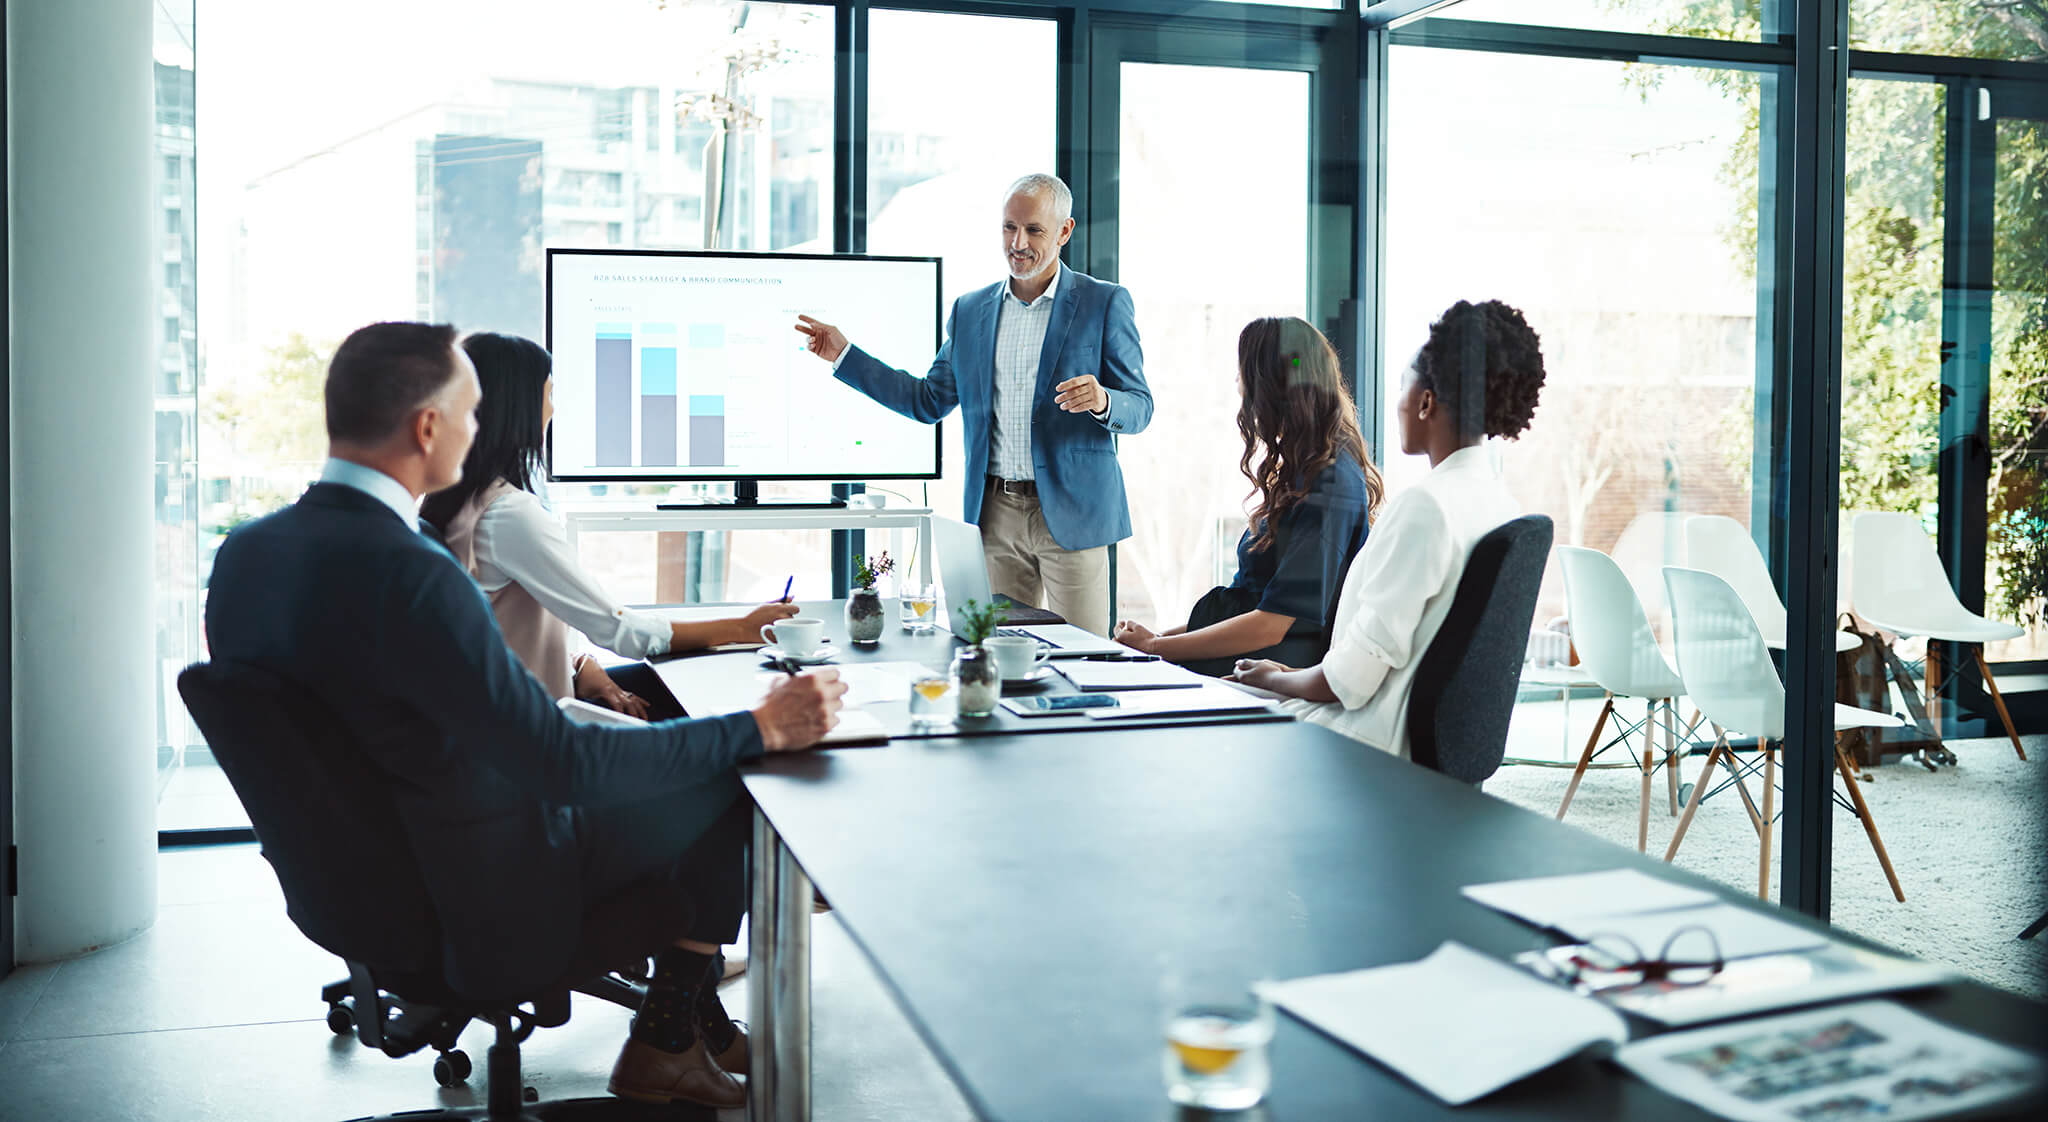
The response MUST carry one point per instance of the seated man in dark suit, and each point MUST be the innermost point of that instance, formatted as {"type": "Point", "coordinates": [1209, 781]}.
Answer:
{"type": "Point", "coordinates": [522, 821]}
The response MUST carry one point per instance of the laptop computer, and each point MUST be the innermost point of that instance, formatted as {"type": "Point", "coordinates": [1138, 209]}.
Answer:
{"type": "Point", "coordinates": [963, 573]}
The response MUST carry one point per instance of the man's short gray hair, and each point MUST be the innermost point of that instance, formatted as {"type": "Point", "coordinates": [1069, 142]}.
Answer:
{"type": "Point", "coordinates": [1038, 183]}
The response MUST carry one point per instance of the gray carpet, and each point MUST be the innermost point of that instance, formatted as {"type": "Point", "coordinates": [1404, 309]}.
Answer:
{"type": "Point", "coordinates": [1970, 844]}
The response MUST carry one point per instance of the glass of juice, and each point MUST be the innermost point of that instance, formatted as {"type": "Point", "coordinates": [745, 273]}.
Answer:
{"type": "Point", "coordinates": [918, 608]}
{"type": "Point", "coordinates": [1216, 1037]}
{"type": "Point", "coordinates": [932, 700]}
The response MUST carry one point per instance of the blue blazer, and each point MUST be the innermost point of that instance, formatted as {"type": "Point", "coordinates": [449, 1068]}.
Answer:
{"type": "Point", "coordinates": [337, 594]}
{"type": "Point", "coordinates": [1093, 330]}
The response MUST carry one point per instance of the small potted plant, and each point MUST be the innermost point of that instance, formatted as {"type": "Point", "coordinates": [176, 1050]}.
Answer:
{"type": "Point", "coordinates": [864, 604]}
{"type": "Point", "coordinates": [974, 668]}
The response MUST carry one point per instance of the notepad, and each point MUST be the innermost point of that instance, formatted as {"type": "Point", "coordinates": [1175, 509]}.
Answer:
{"type": "Point", "coordinates": [1208, 697]}
{"type": "Point", "coordinates": [1553, 902]}
{"type": "Point", "coordinates": [584, 713]}
{"type": "Point", "coordinates": [1090, 676]}
{"type": "Point", "coordinates": [1459, 1024]}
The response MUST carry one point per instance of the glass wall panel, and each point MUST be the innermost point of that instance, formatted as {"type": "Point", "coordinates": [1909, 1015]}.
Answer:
{"type": "Point", "coordinates": [494, 132]}
{"type": "Point", "coordinates": [1968, 28]}
{"type": "Point", "coordinates": [1177, 188]}
{"type": "Point", "coordinates": [2016, 559]}
{"type": "Point", "coordinates": [176, 385]}
{"type": "Point", "coordinates": [1616, 206]}
{"type": "Point", "coordinates": [938, 167]}
{"type": "Point", "coordinates": [1707, 19]}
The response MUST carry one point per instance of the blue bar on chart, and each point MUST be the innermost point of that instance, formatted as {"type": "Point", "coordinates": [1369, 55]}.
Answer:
{"type": "Point", "coordinates": [658, 405]}
{"type": "Point", "coordinates": [707, 430]}
{"type": "Point", "coordinates": [614, 412]}
{"type": "Point", "coordinates": [707, 396]}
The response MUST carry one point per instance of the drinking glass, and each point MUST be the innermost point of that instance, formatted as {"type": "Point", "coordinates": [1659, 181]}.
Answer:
{"type": "Point", "coordinates": [932, 700]}
{"type": "Point", "coordinates": [918, 608]}
{"type": "Point", "coordinates": [1216, 1037]}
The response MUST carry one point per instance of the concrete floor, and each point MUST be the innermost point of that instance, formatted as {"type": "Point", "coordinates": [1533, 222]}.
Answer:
{"type": "Point", "coordinates": [215, 1014]}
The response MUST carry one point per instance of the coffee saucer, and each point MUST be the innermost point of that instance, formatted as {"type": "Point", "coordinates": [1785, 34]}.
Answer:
{"type": "Point", "coordinates": [1032, 681]}
{"type": "Point", "coordinates": [777, 654]}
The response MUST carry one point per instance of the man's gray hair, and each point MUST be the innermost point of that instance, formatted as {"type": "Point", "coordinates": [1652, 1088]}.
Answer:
{"type": "Point", "coordinates": [1038, 183]}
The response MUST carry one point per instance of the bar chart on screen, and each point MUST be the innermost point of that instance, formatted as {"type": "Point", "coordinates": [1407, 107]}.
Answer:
{"type": "Point", "coordinates": [687, 366]}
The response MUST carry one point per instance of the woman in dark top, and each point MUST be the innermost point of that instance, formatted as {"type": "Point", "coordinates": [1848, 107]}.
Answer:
{"type": "Point", "coordinates": [1316, 490]}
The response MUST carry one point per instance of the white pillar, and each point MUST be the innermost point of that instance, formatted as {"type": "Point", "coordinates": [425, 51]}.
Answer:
{"type": "Point", "coordinates": [84, 246]}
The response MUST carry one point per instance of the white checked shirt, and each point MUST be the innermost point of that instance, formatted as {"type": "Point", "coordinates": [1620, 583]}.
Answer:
{"type": "Point", "coordinates": [1020, 336]}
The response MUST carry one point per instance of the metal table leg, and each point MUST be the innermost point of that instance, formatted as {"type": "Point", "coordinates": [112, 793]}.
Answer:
{"type": "Point", "coordinates": [779, 982]}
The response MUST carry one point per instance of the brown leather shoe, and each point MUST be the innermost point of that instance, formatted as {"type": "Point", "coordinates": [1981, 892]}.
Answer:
{"type": "Point", "coordinates": [737, 1055]}
{"type": "Point", "coordinates": [647, 1074]}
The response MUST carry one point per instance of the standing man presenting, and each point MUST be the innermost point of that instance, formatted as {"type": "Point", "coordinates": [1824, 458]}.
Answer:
{"type": "Point", "coordinates": [1045, 368]}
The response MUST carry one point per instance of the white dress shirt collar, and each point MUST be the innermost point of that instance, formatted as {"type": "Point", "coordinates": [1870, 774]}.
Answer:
{"type": "Point", "coordinates": [377, 485]}
{"type": "Point", "coordinates": [1043, 297]}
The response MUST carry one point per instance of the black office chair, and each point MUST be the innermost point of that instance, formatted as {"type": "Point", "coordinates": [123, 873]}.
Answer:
{"type": "Point", "coordinates": [1465, 686]}
{"type": "Point", "coordinates": [331, 832]}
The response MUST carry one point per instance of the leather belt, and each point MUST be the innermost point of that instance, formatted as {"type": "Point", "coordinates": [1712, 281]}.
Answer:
{"type": "Point", "coordinates": [1015, 487]}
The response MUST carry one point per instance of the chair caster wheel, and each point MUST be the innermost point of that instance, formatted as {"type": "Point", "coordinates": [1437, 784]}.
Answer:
{"type": "Point", "coordinates": [452, 1068]}
{"type": "Point", "coordinates": [530, 1094]}
{"type": "Point", "coordinates": [341, 1021]}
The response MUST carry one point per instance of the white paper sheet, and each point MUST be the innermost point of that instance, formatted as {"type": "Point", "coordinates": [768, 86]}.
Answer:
{"type": "Point", "coordinates": [1872, 1059]}
{"type": "Point", "coordinates": [1459, 1024]}
{"type": "Point", "coordinates": [1087, 675]}
{"type": "Point", "coordinates": [1209, 697]}
{"type": "Point", "coordinates": [584, 713]}
{"type": "Point", "coordinates": [878, 683]}
{"type": "Point", "coordinates": [1552, 901]}
{"type": "Point", "coordinates": [1740, 932]}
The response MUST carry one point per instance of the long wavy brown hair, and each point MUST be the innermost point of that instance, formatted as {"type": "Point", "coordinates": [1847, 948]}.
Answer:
{"type": "Point", "coordinates": [1295, 410]}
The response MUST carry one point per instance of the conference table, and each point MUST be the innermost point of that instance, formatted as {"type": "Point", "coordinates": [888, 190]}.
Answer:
{"type": "Point", "coordinates": [1021, 893]}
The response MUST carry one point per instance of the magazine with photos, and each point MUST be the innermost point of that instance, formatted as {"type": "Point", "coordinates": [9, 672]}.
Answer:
{"type": "Point", "coordinates": [1869, 1060]}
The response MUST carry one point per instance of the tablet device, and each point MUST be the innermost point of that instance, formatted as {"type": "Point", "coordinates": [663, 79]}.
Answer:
{"type": "Point", "coordinates": [1044, 706]}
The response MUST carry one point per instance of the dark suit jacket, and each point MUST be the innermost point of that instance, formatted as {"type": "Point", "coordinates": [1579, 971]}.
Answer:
{"type": "Point", "coordinates": [339, 595]}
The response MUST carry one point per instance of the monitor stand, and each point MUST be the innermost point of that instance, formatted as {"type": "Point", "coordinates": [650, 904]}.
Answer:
{"type": "Point", "coordinates": [746, 495]}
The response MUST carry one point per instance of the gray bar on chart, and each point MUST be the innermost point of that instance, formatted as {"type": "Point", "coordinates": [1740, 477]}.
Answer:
{"type": "Point", "coordinates": [707, 441]}
{"type": "Point", "coordinates": [615, 402]}
{"type": "Point", "coordinates": [658, 430]}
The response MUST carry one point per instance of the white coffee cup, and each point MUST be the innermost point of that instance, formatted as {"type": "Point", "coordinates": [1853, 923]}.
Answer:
{"type": "Point", "coordinates": [800, 636]}
{"type": "Point", "coordinates": [1016, 655]}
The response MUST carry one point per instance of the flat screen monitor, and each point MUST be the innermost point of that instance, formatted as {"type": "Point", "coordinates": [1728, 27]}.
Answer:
{"type": "Point", "coordinates": [674, 366]}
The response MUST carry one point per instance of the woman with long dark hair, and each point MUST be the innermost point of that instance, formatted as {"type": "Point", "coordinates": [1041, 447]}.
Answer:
{"type": "Point", "coordinates": [1315, 491]}
{"type": "Point", "coordinates": [1479, 375]}
{"type": "Point", "coordinates": [496, 525]}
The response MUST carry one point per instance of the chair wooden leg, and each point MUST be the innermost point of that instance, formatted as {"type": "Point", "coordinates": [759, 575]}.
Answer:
{"type": "Point", "coordinates": [1699, 790]}
{"type": "Point", "coordinates": [1991, 685]}
{"type": "Point", "coordinates": [1585, 757]}
{"type": "Point", "coordinates": [1763, 847]}
{"type": "Point", "coordinates": [1648, 757]}
{"type": "Point", "coordinates": [1869, 824]}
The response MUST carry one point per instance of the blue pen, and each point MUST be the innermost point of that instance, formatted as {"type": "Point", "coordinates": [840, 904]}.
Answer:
{"type": "Point", "coordinates": [786, 586]}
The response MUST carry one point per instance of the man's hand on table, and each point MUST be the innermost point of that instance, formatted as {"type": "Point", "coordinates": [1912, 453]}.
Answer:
{"type": "Point", "coordinates": [799, 710]}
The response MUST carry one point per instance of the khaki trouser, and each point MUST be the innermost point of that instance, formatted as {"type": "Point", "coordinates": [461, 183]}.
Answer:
{"type": "Point", "coordinates": [1025, 564]}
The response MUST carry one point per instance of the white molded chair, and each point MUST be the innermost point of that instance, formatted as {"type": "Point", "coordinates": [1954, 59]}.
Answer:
{"type": "Point", "coordinates": [1650, 541]}
{"type": "Point", "coordinates": [1720, 545]}
{"type": "Point", "coordinates": [1616, 649]}
{"type": "Point", "coordinates": [1898, 585]}
{"type": "Point", "coordinates": [1730, 677]}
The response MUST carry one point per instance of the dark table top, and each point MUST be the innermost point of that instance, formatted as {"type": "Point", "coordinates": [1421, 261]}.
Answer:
{"type": "Point", "coordinates": [731, 675]}
{"type": "Point", "coordinates": [1022, 896]}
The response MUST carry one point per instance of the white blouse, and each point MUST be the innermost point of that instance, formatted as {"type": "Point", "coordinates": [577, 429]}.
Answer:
{"type": "Point", "coordinates": [1397, 593]}
{"type": "Point", "coordinates": [519, 541]}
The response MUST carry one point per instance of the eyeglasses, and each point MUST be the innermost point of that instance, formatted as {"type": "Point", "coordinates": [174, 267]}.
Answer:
{"type": "Point", "coordinates": [1690, 955]}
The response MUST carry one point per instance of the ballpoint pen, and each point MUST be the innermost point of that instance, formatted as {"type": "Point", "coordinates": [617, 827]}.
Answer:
{"type": "Point", "coordinates": [786, 586]}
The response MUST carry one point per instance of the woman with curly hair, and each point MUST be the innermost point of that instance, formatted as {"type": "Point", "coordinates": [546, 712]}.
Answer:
{"type": "Point", "coordinates": [1478, 376]}
{"type": "Point", "coordinates": [1316, 490]}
